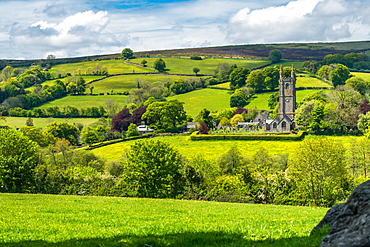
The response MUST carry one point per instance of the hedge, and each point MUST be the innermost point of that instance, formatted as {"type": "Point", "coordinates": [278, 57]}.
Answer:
{"type": "Point", "coordinates": [267, 137]}
{"type": "Point", "coordinates": [106, 143]}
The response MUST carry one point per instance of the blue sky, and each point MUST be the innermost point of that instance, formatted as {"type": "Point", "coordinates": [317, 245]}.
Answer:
{"type": "Point", "coordinates": [65, 28]}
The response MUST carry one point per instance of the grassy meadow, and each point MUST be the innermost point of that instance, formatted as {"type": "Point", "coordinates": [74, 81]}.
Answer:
{"type": "Point", "coordinates": [55, 220]}
{"type": "Point", "coordinates": [125, 83]}
{"type": "Point", "coordinates": [114, 67]}
{"type": "Point", "coordinates": [17, 122]}
{"type": "Point", "coordinates": [84, 101]}
{"type": "Point", "coordinates": [306, 81]}
{"type": "Point", "coordinates": [211, 99]}
{"type": "Point", "coordinates": [212, 149]}
{"type": "Point", "coordinates": [365, 76]}
{"type": "Point", "coordinates": [207, 66]}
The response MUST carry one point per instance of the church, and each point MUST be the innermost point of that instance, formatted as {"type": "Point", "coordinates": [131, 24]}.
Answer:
{"type": "Point", "coordinates": [284, 122]}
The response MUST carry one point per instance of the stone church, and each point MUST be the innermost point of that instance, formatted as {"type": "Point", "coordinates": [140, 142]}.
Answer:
{"type": "Point", "coordinates": [284, 122]}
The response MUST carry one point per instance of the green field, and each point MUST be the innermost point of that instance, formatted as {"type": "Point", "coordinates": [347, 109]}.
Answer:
{"type": "Point", "coordinates": [66, 221]}
{"type": "Point", "coordinates": [225, 85]}
{"type": "Point", "coordinates": [17, 122]}
{"type": "Point", "coordinates": [125, 83]}
{"type": "Point", "coordinates": [287, 63]}
{"type": "Point", "coordinates": [114, 67]}
{"type": "Point", "coordinates": [211, 99]}
{"type": "Point", "coordinates": [212, 149]}
{"type": "Point", "coordinates": [206, 66]}
{"type": "Point", "coordinates": [311, 82]}
{"type": "Point", "coordinates": [365, 76]}
{"type": "Point", "coordinates": [84, 101]}
{"type": "Point", "coordinates": [260, 100]}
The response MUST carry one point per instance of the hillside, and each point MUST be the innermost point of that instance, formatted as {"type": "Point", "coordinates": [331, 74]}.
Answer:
{"type": "Point", "coordinates": [293, 51]}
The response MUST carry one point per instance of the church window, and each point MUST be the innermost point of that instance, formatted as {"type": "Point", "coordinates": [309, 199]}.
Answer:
{"type": "Point", "coordinates": [274, 125]}
{"type": "Point", "coordinates": [287, 86]}
{"type": "Point", "coordinates": [283, 124]}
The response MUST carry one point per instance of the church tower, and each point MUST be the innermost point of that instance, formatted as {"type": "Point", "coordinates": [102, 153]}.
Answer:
{"type": "Point", "coordinates": [287, 94]}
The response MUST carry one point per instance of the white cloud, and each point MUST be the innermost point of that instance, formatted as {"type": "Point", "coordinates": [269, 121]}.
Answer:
{"type": "Point", "coordinates": [300, 21]}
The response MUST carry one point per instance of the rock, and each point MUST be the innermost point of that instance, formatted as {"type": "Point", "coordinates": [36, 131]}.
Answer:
{"type": "Point", "coordinates": [350, 221]}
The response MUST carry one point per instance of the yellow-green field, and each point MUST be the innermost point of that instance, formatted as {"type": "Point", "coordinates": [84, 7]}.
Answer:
{"type": "Point", "coordinates": [212, 149]}
{"type": "Point", "coordinates": [114, 67]}
{"type": "Point", "coordinates": [211, 99]}
{"type": "Point", "coordinates": [225, 85]}
{"type": "Point", "coordinates": [311, 82]}
{"type": "Point", "coordinates": [206, 66]}
{"type": "Point", "coordinates": [17, 122]}
{"type": "Point", "coordinates": [365, 76]}
{"type": "Point", "coordinates": [84, 101]}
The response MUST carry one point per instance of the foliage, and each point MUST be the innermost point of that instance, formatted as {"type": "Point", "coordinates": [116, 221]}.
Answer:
{"type": "Point", "coordinates": [165, 115]}
{"type": "Point", "coordinates": [310, 116]}
{"type": "Point", "coordinates": [237, 77]}
{"type": "Point", "coordinates": [358, 84]}
{"type": "Point", "coordinates": [196, 70]}
{"type": "Point", "coordinates": [339, 75]}
{"type": "Point", "coordinates": [203, 129]}
{"type": "Point", "coordinates": [160, 65]}
{"type": "Point", "coordinates": [256, 80]}
{"type": "Point", "coordinates": [132, 130]}
{"type": "Point", "coordinates": [223, 71]}
{"type": "Point", "coordinates": [152, 169]}
{"type": "Point", "coordinates": [319, 170]}
{"type": "Point", "coordinates": [35, 134]}
{"type": "Point", "coordinates": [127, 53]}
{"type": "Point", "coordinates": [89, 135]}
{"type": "Point", "coordinates": [124, 118]}
{"type": "Point", "coordinates": [236, 119]}
{"type": "Point", "coordinates": [18, 158]}
{"type": "Point", "coordinates": [275, 56]}
{"type": "Point", "coordinates": [205, 117]}
{"type": "Point", "coordinates": [63, 130]}
{"type": "Point", "coordinates": [273, 100]}
{"type": "Point", "coordinates": [363, 123]}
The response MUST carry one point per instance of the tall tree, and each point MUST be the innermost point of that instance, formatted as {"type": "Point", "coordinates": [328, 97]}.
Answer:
{"type": "Point", "coordinates": [339, 75]}
{"type": "Point", "coordinates": [160, 65]}
{"type": "Point", "coordinates": [18, 158]}
{"type": "Point", "coordinates": [256, 80]}
{"type": "Point", "coordinates": [152, 169]}
{"type": "Point", "coordinates": [237, 77]}
{"type": "Point", "coordinates": [320, 171]}
{"type": "Point", "coordinates": [63, 130]}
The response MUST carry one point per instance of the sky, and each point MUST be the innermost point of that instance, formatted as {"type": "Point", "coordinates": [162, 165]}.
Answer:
{"type": "Point", "coordinates": [34, 29]}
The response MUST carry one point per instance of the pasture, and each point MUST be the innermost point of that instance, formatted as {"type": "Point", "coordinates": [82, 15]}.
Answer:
{"type": "Point", "coordinates": [211, 99]}
{"type": "Point", "coordinates": [56, 220]}
{"type": "Point", "coordinates": [84, 101]}
{"type": "Point", "coordinates": [212, 149]}
{"type": "Point", "coordinates": [305, 81]}
{"type": "Point", "coordinates": [260, 101]}
{"type": "Point", "coordinates": [365, 76]}
{"type": "Point", "coordinates": [17, 122]}
{"type": "Point", "coordinates": [207, 66]}
{"type": "Point", "coordinates": [114, 67]}
{"type": "Point", "coordinates": [125, 83]}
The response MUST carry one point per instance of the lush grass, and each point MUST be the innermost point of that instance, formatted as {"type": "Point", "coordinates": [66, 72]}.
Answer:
{"type": "Point", "coordinates": [225, 85]}
{"type": "Point", "coordinates": [212, 149]}
{"type": "Point", "coordinates": [17, 122]}
{"type": "Point", "coordinates": [365, 76]}
{"type": "Point", "coordinates": [211, 99]}
{"type": "Point", "coordinates": [260, 100]}
{"type": "Point", "coordinates": [51, 220]}
{"type": "Point", "coordinates": [206, 66]}
{"type": "Point", "coordinates": [114, 67]}
{"type": "Point", "coordinates": [84, 101]}
{"type": "Point", "coordinates": [287, 63]}
{"type": "Point", "coordinates": [311, 82]}
{"type": "Point", "coordinates": [120, 84]}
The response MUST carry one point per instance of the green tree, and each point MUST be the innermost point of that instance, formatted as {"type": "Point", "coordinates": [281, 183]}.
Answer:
{"type": "Point", "coordinates": [89, 135]}
{"type": "Point", "coordinates": [237, 77]}
{"type": "Point", "coordinates": [273, 100]}
{"type": "Point", "coordinates": [132, 130]}
{"type": "Point", "coordinates": [36, 135]}
{"type": "Point", "coordinates": [29, 121]}
{"type": "Point", "coordinates": [196, 70]}
{"type": "Point", "coordinates": [152, 169]}
{"type": "Point", "coordinates": [319, 170]}
{"type": "Point", "coordinates": [205, 117]}
{"type": "Point", "coordinates": [160, 65]}
{"type": "Point", "coordinates": [223, 71]}
{"type": "Point", "coordinates": [339, 75]}
{"type": "Point", "coordinates": [63, 130]}
{"type": "Point", "coordinates": [324, 72]}
{"type": "Point", "coordinates": [275, 56]}
{"type": "Point", "coordinates": [358, 84]}
{"type": "Point", "coordinates": [127, 53]}
{"type": "Point", "coordinates": [310, 115]}
{"type": "Point", "coordinates": [231, 161]}
{"type": "Point", "coordinates": [7, 73]}
{"type": "Point", "coordinates": [165, 115]}
{"type": "Point", "coordinates": [272, 76]}
{"type": "Point", "coordinates": [238, 98]}
{"type": "Point", "coordinates": [144, 62]}
{"type": "Point", "coordinates": [363, 123]}
{"type": "Point", "coordinates": [256, 80]}
{"type": "Point", "coordinates": [358, 157]}
{"type": "Point", "coordinates": [18, 158]}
